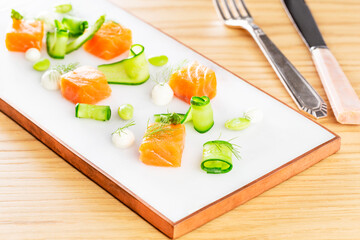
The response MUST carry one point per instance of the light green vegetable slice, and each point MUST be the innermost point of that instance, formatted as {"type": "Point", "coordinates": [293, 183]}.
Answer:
{"type": "Point", "coordinates": [96, 112]}
{"type": "Point", "coordinates": [126, 111]}
{"type": "Point", "coordinates": [237, 123]}
{"type": "Point", "coordinates": [188, 116]}
{"type": "Point", "coordinates": [131, 71]}
{"type": "Point", "coordinates": [87, 35]}
{"type": "Point", "coordinates": [42, 64]}
{"type": "Point", "coordinates": [217, 156]}
{"type": "Point", "coordinates": [63, 8]}
{"type": "Point", "coordinates": [159, 60]}
{"type": "Point", "coordinates": [76, 26]}
{"type": "Point", "coordinates": [201, 113]}
{"type": "Point", "coordinates": [56, 42]}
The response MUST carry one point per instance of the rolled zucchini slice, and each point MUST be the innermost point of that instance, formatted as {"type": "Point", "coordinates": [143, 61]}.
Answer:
{"type": "Point", "coordinates": [217, 157]}
{"type": "Point", "coordinates": [201, 113]}
{"type": "Point", "coordinates": [96, 112]}
{"type": "Point", "coordinates": [56, 43]}
{"type": "Point", "coordinates": [76, 26]}
{"type": "Point", "coordinates": [131, 71]}
{"type": "Point", "coordinates": [87, 35]}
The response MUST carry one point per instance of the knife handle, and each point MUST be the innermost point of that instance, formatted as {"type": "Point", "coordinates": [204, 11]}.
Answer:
{"type": "Point", "coordinates": [342, 97]}
{"type": "Point", "coordinates": [299, 89]}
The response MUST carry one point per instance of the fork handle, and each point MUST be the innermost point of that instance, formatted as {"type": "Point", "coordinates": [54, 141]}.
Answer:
{"type": "Point", "coordinates": [305, 97]}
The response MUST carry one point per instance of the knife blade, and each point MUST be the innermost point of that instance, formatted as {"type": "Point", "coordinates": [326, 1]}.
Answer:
{"type": "Point", "coordinates": [342, 97]}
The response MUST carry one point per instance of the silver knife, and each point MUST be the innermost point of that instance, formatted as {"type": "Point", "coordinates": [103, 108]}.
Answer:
{"type": "Point", "coordinates": [342, 97]}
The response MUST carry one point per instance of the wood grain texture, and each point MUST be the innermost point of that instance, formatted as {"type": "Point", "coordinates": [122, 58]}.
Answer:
{"type": "Point", "coordinates": [43, 197]}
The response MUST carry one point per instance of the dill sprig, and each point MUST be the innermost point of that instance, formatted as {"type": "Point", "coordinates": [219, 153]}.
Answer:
{"type": "Point", "coordinates": [162, 76]}
{"type": "Point", "coordinates": [64, 68]}
{"type": "Point", "coordinates": [172, 118]}
{"type": "Point", "coordinates": [120, 130]}
{"type": "Point", "coordinates": [234, 148]}
{"type": "Point", "coordinates": [158, 129]}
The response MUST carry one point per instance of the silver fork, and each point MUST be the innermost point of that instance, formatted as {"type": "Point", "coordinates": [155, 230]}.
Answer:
{"type": "Point", "coordinates": [235, 14]}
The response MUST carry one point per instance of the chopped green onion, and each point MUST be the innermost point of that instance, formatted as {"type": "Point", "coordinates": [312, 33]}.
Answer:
{"type": "Point", "coordinates": [96, 112]}
{"type": "Point", "coordinates": [159, 60]}
{"type": "Point", "coordinates": [63, 8]}
{"type": "Point", "coordinates": [201, 113]}
{"type": "Point", "coordinates": [239, 123]}
{"type": "Point", "coordinates": [217, 156]}
{"type": "Point", "coordinates": [42, 64]}
{"type": "Point", "coordinates": [16, 15]}
{"type": "Point", "coordinates": [126, 111]}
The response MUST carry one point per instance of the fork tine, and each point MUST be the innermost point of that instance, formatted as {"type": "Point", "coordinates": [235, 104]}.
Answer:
{"type": "Point", "coordinates": [229, 9]}
{"type": "Point", "coordinates": [245, 8]}
{"type": "Point", "coordinates": [220, 11]}
{"type": "Point", "coordinates": [237, 9]}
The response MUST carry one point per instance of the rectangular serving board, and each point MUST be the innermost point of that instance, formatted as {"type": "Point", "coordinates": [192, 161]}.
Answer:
{"type": "Point", "coordinates": [174, 200]}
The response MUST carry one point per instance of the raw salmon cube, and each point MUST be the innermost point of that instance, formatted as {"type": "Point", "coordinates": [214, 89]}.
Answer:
{"type": "Point", "coordinates": [110, 41]}
{"type": "Point", "coordinates": [193, 80]}
{"type": "Point", "coordinates": [163, 145]}
{"type": "Point", "coordinates": [84, 85]}
{"type": "Point", "coordinates": [25, 34]}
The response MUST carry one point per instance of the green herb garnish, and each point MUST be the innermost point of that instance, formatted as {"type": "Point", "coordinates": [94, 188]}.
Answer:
{"type": "Point", "coordinates": [16, 15]}
{"type": "Point", "coordinates": [158, 129]}
{"type": "Point", "coordinates": [169, 118]}
{"type": "Point", "coordinates": [64, 68]}
{"type": "Point", "coordinates": [234, 148]}
{"type": "Point", "coordinates": [121, 129]}
{"type": "Point", "coordinates": [163, 76]}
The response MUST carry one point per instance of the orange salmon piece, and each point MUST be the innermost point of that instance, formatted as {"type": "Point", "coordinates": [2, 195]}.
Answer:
{"type": "Point", "coordinates": [193, 80]}
{"type": "Point", "coordinates": [110, 41]}
{"type": "Point", "coordinates": [163, 148]}
{"type": "Point", "coordinates": [84, 85]}
{"type": "Point", "coordinates": [25, 34]}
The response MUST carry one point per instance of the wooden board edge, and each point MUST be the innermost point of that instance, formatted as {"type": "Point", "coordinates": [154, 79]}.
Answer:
{"type": "Point", "coordinates": [256, 187]}
{"type": "Point", "coordinates": [97, 175]}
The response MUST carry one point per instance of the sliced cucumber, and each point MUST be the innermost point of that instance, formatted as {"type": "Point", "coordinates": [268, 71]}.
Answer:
{"type": "Point", "coordinates": [217, 157]}
{"type": "Point", "coordinates": [201, 113]}
{"type": "Point", "coordinates": [131, 71]}
{"type": "Point", "coordinates": [188, 116]}
{"type": "Point", "coordinates": [56, 43]}
{"type": "Point", "coordinates": [76, 26]}
{"type": "Point", "coordinates": [96, 112]}
{"type": "Point", "coordinates": [87, 35]}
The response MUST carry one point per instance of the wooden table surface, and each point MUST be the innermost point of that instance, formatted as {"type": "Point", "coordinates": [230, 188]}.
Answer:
{"type": "Point", "coordinates": [43, 197]}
